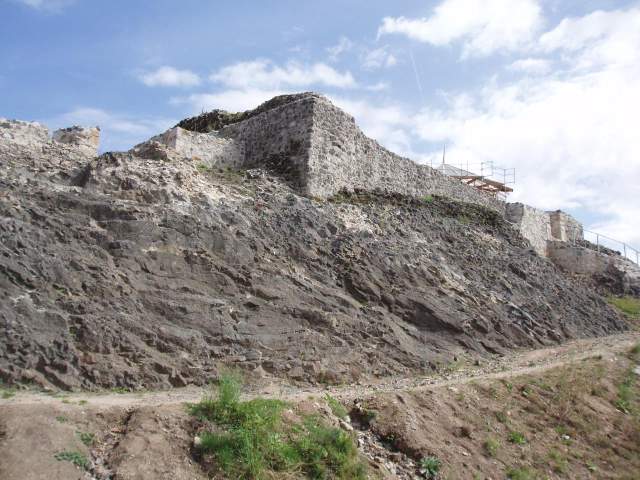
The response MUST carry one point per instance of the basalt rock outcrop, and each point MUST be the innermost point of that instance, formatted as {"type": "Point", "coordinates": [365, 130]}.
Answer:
{"type": "Point", "coordinates": [153, 269]}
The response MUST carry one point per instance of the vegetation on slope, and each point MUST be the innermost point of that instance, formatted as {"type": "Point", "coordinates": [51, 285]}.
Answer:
{"type": "Point", "coordinates": [260, 438]}
{"type": "Point", "coordinates": [578, 421]}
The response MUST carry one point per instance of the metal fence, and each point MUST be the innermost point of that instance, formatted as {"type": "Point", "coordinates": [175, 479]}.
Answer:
{"type": "Point", "coordinates": [602, 243]}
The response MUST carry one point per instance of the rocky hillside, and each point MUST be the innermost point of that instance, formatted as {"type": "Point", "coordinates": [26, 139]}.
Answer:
{"type": "Point", "coordinates": [156, 272]}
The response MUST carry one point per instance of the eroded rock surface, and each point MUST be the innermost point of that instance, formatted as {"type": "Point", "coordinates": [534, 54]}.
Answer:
{"type": "Point", "coordinates": [154, 272]}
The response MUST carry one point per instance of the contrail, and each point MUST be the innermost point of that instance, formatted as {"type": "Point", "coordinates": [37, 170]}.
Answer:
{"type": "Point", "coordinates": [415, 70]}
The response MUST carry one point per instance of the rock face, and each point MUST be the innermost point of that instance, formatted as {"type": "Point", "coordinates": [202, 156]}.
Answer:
{"type": "Point", "coordinates": [144, 269]}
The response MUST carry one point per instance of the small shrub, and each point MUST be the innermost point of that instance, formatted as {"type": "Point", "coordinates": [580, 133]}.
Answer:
{"type": "Point", "coordinates": [336, 407]}
{"type": "Point", "coordinates": [491, 446]}
{"type": "Point", "coordinates": [62, 419]}
{"type": "Point", "coordinates": [430, 466]}
{"type": "Point", "coordinates": [77, 458]}
{"type": "Point", "coordinates": [517, 438]}
{"type": "Point", "coordinates": [427, 199]}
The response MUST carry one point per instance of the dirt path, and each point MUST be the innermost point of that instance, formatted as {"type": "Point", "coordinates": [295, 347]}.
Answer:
{"type": "Point", "coordinates": [515, 364]}
{"type": "Point", "coordinates": [146, 435]}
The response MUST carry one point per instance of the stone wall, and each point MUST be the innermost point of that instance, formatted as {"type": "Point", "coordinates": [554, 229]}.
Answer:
{"type": "Point", "coordinates": [32, 138]}
{"type": "Point", "coordinates": [320, 150]}
{"type": "Point", "coordinates": [279, 139]}
{"type": "Point", "coordinates": [564, 227]}
{"type": "Point", "coordinates": [533, 224]}
{"type": "Point", "coordinates": [211, 149]}
{"type": "Point", "coordinates": [85, 139]}
{"type": "Point", "coordinates": [27, 134]}
{"type": "Point", "coordinates": [343, 158]}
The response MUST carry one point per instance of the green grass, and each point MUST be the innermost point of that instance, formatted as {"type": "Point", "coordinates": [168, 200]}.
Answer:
{"type": "Point", "coordinates": [520, 473]}
{"type": "Point", "coordinates": [628, 305]}
{"type": "Point", "coordinates": [430, 466]}
{"type": "Point", "coordinates": [62, 419]}
{"type": "Point", "coordinates": [624, 400]}
{"type": "Point", "coordinates": [77, 458]}
{"type": "Point", "coordinates": [491, 446]}
{"type": "Point", "coordinates": [253, 441]}
{"type": "Point", "coordinates": [427, 199]}
{"type": "Point", "coordinates": [86, 438]}
{"type": "Point", "coordinates": [7, 394]}
{"type": "Point", "coordinates": [517, 438]}
{"type": "Point", "coordinates": [336, 407]}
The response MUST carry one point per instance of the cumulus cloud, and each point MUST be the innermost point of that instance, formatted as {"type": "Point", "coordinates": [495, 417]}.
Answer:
{"type": "Point", "coordinates": [265, 75]}
{"type": "Point", "coordinates": [167, 76]}
{"type": "Point", "coordinates": [378, 58]}
{"type": "Point", "coordinates": [486, 28]}
{"type": "Point", "coordinates": [118, 131]}
{"type": "Point", "coordinates": [598, 39]}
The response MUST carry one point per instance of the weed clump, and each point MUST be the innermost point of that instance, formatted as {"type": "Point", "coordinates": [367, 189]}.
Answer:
{"type": "Point", "coordinates": [77, 458]}
{"type": "Point", "coordinates": [251, 440]}
{"type": "Point", "coordinates": [430, 466]}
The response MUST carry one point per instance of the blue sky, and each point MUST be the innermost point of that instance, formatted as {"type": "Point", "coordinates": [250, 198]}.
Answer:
{"type": "Point", "coordinates": [546, 86]}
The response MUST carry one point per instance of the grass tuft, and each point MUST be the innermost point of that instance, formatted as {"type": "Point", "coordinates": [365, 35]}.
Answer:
{"type": "Point", "coordinates": [336, 407]}
{"type": "Point", "coordinates": [77, 458]}
{"type": "Point", "coordinates": [520, 473]}
{"type": "Point", "coordinates": [517, 438]}
{"type": "Point", "coordinates": [253, 441]}
{"type": "Point", "coordinates": [430, 466]}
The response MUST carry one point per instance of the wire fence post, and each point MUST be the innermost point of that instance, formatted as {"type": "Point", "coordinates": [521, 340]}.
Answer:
{"type": "Point", "coordinates": [598, 242]}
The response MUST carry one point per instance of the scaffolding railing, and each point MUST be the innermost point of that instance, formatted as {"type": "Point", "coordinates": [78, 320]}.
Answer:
{"type": "Point", "coordinates": [604, 243]}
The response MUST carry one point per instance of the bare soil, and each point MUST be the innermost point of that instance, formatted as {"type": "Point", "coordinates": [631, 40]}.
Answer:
{"type": "Point", "coordinates": [544, 394]}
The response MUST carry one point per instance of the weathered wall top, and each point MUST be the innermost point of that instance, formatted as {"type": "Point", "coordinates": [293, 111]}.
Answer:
{"type": "Point", "coordinates": [34, 136]}
{"type": "Point", "coordinates": [86, 139]}
{"type": "Point", "coordinates": [318, 147]}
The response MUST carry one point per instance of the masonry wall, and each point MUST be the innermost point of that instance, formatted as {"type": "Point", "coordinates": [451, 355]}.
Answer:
{"type": "Point", "coordinates": [533, 224]}
{"type": "Point", "coordinates": [343, 158]}
{"type": "Point", "coordinates": [564, 227]}
{"type": "Point", "coordinates": [279, 139]}
{"type": "Point", "coordinates": [211, 149]}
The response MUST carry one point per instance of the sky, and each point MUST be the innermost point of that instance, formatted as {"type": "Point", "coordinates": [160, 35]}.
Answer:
{"type": "Point", "coordinates": [548, 87]}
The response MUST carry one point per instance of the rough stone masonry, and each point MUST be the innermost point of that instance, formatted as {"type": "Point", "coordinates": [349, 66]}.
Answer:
{"type": "Point", "coordinates": [321, 150]}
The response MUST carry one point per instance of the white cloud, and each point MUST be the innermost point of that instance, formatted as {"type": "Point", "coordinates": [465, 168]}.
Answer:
{"type": "Point", "coordinates": [598, 39]}
{"type": "Point", "coordinates": [265, 75]}
{"type": "Point", "coordinates": [343, 46]}
{"type": "Point", "coordinates": [118, 131]}
{"type": "Point", "coordinates": [47, 5]}
{"type": "Point", "coordinates": [378, 58]}
{"type": "Point", "coordinates": [533, 66]}
{"type": "Point", "coordinates": [484, 27]}
{"type": "Point", "coordinates": [169, 77]}
{"type": "Point", "coordinates": [572, 136]}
